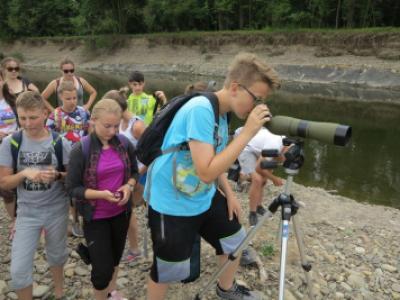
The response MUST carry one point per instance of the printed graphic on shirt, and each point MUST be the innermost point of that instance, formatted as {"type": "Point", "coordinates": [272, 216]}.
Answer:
{"type": "Point", "coordinates": [72, 126]}
{"type": "Point", "coordinates": [38, 160]}
{"type": "Point", "coordinates": [7, 117]}
{"type": "Point", "coordinates": [8, 120]}
{"type": "Point", "coordinates": [143, 107]}
{"type": "Point", "coordinates": [185, 176]}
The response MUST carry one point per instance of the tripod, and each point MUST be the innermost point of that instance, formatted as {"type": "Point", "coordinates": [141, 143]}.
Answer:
{"type": "Point", "coordinates": [289, 207]}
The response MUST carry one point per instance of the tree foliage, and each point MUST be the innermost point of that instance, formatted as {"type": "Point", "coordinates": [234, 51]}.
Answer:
{"type": "Point", "coordinates": [19, 18]}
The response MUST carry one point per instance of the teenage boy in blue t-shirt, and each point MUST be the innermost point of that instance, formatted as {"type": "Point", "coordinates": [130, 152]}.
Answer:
{"type": "Point", "coordinates": [181, 191]}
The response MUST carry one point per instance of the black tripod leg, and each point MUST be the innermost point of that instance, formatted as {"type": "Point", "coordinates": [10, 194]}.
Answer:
{"type": "Point", "coordinates": [235, 254]}
{"type": "Point", "coordinates": [305, 265]}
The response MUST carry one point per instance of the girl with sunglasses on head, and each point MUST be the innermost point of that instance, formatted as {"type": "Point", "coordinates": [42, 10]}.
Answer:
{"type": "Point", "coordinates": [67, 67]}
{"type": "Point", "coordinates": [12, 76]}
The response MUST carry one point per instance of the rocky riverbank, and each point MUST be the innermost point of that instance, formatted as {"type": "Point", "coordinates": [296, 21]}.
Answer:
{"type": "Point", "coordinates": [368, 59]}
{"type": "Point", "coordinates": [354, 249]}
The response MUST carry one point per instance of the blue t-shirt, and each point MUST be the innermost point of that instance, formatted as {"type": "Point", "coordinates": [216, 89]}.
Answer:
{"type": "Point", "coordinates": [175, 187]}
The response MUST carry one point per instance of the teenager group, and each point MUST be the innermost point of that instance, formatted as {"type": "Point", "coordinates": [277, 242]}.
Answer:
{"type": "Point", "coordinates": [93, 162]}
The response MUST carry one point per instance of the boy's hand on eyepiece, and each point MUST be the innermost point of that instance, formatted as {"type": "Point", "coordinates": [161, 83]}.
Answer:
{"type": "Point", "coordinates": [257, 118]}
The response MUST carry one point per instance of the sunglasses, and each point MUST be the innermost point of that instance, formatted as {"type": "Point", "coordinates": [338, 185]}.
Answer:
{"type": "Point", "coordinates": [11, 69]}
{"type": "Point", "coordinates": [257, 100]}
{"type": "Point", "coordinates": [69, 71]}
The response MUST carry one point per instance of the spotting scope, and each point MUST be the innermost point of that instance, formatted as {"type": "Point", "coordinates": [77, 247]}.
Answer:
{"type": "Point", "coordinates": [329, 133]}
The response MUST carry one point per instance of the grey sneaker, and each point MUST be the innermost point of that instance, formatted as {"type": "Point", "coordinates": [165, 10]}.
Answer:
{"type": "Point", "coordinates": [238, 292]}
{"type": "Point", "coordinates": [261, 210]}
{"type": "Point", "coordinates": [248, 257]}
{"type": "Point", "coordinates": [77, 229]}
{"type": "Point", "coordinates": [253, 219]}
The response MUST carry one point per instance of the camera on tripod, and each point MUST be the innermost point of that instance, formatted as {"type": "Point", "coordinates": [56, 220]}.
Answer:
{"type": "Point", "coordinates": [293, 155]}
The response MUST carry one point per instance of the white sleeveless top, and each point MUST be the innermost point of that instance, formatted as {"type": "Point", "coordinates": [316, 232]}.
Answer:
{"type": "Point", "coordinates": [128, 133]}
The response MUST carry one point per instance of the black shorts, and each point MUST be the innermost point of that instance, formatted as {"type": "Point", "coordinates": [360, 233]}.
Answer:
{"type": "Point", "coordinates": [173, 238]}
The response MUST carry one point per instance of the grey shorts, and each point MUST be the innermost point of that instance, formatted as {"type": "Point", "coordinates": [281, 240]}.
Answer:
{"type": "Point", "coordinates": [28, 227]}
{"type": "Point", "coordinates": [248, 162]}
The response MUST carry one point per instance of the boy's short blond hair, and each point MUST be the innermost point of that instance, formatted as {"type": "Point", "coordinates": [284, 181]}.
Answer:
{"type": "Point", "coordinates": [248, 68]}
{"type": "Point", "coordinates": [66, 86]}
{"type": "Point", "coordinates": [30, 100]}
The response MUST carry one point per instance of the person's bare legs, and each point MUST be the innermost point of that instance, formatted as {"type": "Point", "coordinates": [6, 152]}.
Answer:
{"type": "Point", "coordinates": [57, 273]}
{"type": "Point", "coordinates": [103, 294]}
{"type": "Point", "coordinates": [9, 205]}
{"type": "Point", "coordinates": [10, 208]}
{"type": "Point", "coordinates": [133, 230]}
{"type": "Point", "coordinates": [156, 291]}
{"type": "Point", "coordinates": [100, 295]}
{"type": "Point", "coordinates": [133, 234]}
{"type": "Point", "coordinates": [226, 279]}
{"type": "Point", "coordinates": [256, 191]}
{"type": "Point", "coordinates": [113, 283]}
{"type": "Point", "coordinates": [25, 293]}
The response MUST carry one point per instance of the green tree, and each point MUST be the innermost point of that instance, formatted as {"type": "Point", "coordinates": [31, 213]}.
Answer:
{"type": "Point", "coordinates": [40, 18]}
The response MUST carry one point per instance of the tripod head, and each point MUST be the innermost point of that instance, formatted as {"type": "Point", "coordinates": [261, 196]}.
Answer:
{"type": "Point", "coordinates": [294, 156]}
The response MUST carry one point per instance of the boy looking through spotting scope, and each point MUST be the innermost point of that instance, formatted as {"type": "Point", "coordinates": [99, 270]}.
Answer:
{"type": "Point", "coordinates": [191, 204]}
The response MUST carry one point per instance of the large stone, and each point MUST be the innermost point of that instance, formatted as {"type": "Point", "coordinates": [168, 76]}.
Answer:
{"type": "Point", "coordinates": [330, 258]}
{"type": "Point", "coordinates": [346, 287]}
{"type": "Point", "coordinates": [81, 271]}
{"type": "Point", "coordinates": [41, 266]}
{"type": "Point", "coordinates": [40, 290]}
{"type": "Point", "coordinates": [75, 254]}
{"type": "Point", "coordinates": [356, 280]}
{"type": "Point", "coordinates": [289, 295]}
{"type": "Point", "coordinates": [86, 293]}
{"type": "Point", "coordinates": [339, 296]}
{"type": "Point", "coordinates": [360, 250]}
{"type": "Point", "coordinates": [69, 272]}
{"type": "Point", "coordinates": [121, 282]}
{"type": "Point", "coordinates": [396, 287]}
{"type": "Point", "coordinates": [6, 258]}
{"type": "Point", "coordinates": [3, 287]}
{"type": "Point", "coordinates": [389, 268]}
{"type": "Point", "coordinates": [12, 296]}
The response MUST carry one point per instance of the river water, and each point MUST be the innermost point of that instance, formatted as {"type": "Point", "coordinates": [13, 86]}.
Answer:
{"type": "Point", "coordinates": [367, 170]}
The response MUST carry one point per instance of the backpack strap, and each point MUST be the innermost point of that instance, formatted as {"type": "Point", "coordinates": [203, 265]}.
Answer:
{"type": "Point", "coordinates": [214, 103]}
{"type": "Point", "coordinates": [85, 143]}
{"type": "Point", "coordinates": [15, 143]}
{"type": "Point", "coordinates": [79, 80]}
{"type": "Point", "coordinates": [58, 149]}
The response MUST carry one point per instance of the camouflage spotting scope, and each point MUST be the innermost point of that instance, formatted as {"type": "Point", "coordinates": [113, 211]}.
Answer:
{"type": "Point", "coordinates": [329, 133]}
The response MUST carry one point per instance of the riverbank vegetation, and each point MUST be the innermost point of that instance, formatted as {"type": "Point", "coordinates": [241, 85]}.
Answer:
{"type": "Point", "coordinates": [26, 18]}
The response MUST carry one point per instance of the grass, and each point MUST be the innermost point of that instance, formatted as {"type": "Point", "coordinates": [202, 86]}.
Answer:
{"type": "Point", "coordinates": [268, 249]}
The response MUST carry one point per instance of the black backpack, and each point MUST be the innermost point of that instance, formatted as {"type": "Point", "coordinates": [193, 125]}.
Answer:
{"type": "Point", "coordinates": [15, 143]}
{"type": "Point", "coordinates": [149, 145]}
